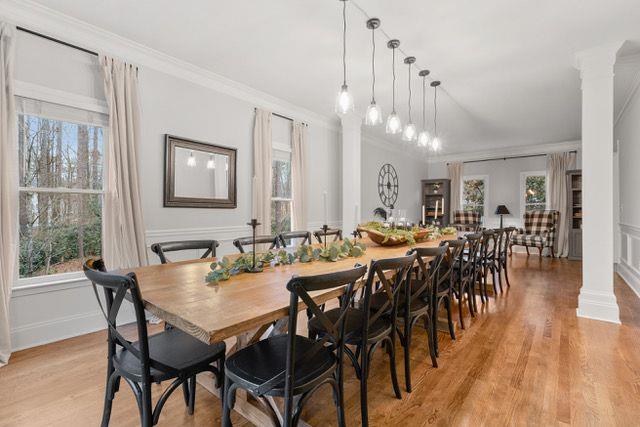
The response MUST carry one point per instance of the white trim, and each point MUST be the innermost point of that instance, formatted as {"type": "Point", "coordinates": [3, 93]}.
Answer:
{"type": "Point", "coordinates": [523, 197]}
{"type": "Point", "coordinates": [485, 178]}
{"type": "Point", "coordinates": [500, 152]}
{"type": "Point", "coordinates": [55, 24]}
{"type": "Point", "coordinates": [39, 284]}
{"type": "Point", "coordinates": [55, 96]}
{"type": "Point", "coordinates": [630, 275]}
{"type": "Point", "coordinates": [62, 190]}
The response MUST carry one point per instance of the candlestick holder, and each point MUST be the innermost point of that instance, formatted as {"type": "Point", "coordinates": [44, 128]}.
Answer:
{"type": "Point", "coordinates": [325, 228]}
{"type": "Point", "coordinates": [355, 234]}
{"type": "Point", "coordinates": [254, 268]}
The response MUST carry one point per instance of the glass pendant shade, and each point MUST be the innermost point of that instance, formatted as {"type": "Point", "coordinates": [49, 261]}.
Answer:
{"type": "Point", "coordinates": [374, 114]}
{"type": "Point", "coordinates": [344, 101]}
{"type": "Point", "coordinates": [191, 161]}
{"type": "Point", "coordinates": [436, 144]}
{"type": "Point", "coordinates": [423, 138]}
{"type": "Point", "coordinates": [211, 164]}
{"type": "Point", "coordinates": [409, 133]}
{"type": "Point", "coordinates": [393, 123]}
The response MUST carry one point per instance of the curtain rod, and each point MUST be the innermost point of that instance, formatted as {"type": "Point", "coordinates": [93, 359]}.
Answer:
{"type": "Point", "coordinates": [510, 157]}
{"type": "Point", "coordinates": [282, 117]}
{"type": "Point", "coordinates": [53, 39]}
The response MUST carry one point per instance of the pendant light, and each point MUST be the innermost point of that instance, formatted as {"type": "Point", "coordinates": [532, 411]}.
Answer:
{"type": "Point", "coordinates": [410, 132]}
{"type": "Point", "coordinates": [211, 164]}
{"type": "Point", "coordinates": [394, 125]}
{"type": "Point", "coordinates": [344, 101]}
{"type": "Point", "coordinates": [423, 136]}
{"type": "Point", "coordinates": [191, 161]}
{"type": "Point", "coordinates": [374, 113]}
{"type": "Point", "coordinates": [435, 142]}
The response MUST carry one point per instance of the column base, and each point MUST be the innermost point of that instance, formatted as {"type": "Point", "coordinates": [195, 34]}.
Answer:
{"type": "Point", "coordinates": [598, 306]}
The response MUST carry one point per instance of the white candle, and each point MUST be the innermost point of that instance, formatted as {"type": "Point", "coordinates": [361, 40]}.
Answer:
{"type": "Point", "coordinates": [356, 219]}
{"type": "Point", "coordinates": [324, 199]}
{"type": "Point", "coordinates": [443, 206]}
{"type": "Point", "coordinates": [435, 213]}
{"type": "Point", "coordinates": [423, 218]}
{"type": "Point", "coordinates": [254, 189]}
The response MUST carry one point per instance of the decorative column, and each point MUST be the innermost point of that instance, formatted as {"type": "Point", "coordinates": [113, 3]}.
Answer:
{"type": "Point", "coordinates": [597, 300]}
{"type": "Point", "coordinates": [351, 172]}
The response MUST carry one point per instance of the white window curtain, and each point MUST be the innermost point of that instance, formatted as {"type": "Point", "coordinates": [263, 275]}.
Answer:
{"type": "Point", "coordinates": [261, 183]}
{"type": "Point", "coordinates": [557, 166]}
{"type": "Point", "coordinates": [455, 175]}
{"type": "Point", "coordinates": [124, 243]}
{"type": "Point", "coordinates": [298, 175]}
{"type": "Point", "coordinates": [8, 186]}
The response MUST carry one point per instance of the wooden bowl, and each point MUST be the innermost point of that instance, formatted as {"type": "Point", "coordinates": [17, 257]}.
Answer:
{"type": "Point", "coordinates": [378, 238]}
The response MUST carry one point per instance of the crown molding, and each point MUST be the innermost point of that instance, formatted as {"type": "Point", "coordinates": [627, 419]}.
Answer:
{"type": "Point", "coordinates": [525, 150]}
{"type": "Point", "coordinates": [34, 16]}
{"type": "Point", "coordinates": [398, 147]}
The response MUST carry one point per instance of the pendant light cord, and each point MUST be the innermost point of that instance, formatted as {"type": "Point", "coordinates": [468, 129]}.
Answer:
{"type": "Point", "coordinates": [373, 66]}
{"type": "Point", "coordinates": [393, 68]}
{"type": "Point", "coordinates": [344, 42]}
{"type": "Point", "coordinates": [435, 112]}
{"type": "Point", "coordinates": [409, 79]}
{"type": "Point", "coordinates": [424, 94]}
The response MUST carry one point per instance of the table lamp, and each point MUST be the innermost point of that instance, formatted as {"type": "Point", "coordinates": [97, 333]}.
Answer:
{"type": "Point", "coordinates": [502, 210]}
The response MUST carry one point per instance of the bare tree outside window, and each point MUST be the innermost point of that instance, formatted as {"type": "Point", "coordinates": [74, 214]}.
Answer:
{"type": "Point", "coordinates": [473, 195]}
{"type": "Point", "coordinates": [60, 204]}
{"type": "Point", "coordinates": [535, 192]}
{"type": "Point", "coordinates": [281, 194]}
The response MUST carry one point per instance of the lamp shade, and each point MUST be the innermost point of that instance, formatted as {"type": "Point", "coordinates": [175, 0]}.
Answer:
{"type": "Point", "coordinates": [502, 210]}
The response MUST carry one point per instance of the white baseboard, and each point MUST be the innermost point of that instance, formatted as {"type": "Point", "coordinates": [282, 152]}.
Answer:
{"type": "Point", "coordinates": [598, 306]}
{"type": "Point", "coordinates": [630, 275]}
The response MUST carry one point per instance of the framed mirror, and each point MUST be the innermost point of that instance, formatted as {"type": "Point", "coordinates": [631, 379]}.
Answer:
{"type": "Point", "coordinates": [198, 175]}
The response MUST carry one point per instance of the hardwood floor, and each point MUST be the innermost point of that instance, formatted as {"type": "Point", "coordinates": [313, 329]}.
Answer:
{"type": "Point", "coordinates": [525, 359]}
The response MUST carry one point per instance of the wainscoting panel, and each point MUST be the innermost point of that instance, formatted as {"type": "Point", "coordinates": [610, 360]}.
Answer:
{"type": "Point", "coordinates": [629, 266]}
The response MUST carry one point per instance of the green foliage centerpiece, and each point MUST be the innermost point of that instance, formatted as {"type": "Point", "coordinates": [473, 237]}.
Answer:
{"type": "Point", "coordinates": [225, 268]}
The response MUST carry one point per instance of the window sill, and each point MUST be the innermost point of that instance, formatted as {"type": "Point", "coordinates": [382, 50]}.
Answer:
{"type": "Point", "coordinates": [53, 283]}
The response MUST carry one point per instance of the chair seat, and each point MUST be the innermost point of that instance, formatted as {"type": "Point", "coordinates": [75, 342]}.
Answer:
{"type": "Point", "coordinates": [258, 363]}
{"type": "Point", "coordinates": [172, 348]}
{"type": "Point", "coordinates": [353, 325]}
{"type": "Point", "coordinates": [527, 240]}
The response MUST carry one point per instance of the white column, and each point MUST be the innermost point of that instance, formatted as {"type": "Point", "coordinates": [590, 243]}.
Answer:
{"type": "Point", "coordinates": [597, 300]}
{"type": "Point", "coordinates": [351, 171]}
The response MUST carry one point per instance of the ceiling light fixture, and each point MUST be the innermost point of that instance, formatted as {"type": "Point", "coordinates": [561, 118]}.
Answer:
{"type": "Point", "coordinates": [211, 164]}
{"type": "Point", "coordinates": [374, 113]}
{"type": "Point", "coordinates": [393, 120]}
{"type": "Point", "coordinates": [409, 133]}
{"type": "Point", "coordinates": [435, 142]}
{"type": "Point", "coordinates": [423, 136]}
{"type": "Point", "coordinates": [191, 161]}
{"type": "Point", "coordinates": [344, 101]}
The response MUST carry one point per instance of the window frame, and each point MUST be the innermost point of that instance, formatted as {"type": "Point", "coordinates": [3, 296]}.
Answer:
{"type": "Point", "coordinates": [523, 197]}
{"type": "Point", "coordinates": [28, 285]}
{"type": "Point", "coordinates": [484, 178]}
{"type": "Point", "coordinates": [284, 148]}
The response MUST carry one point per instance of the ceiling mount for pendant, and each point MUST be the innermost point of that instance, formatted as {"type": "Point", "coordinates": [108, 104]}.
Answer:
{"type": "Point", "coordinates": [410, 60]}
{"type": "Point", "coordinates": [424, 73]}
{"type": "Point", "coordinates": [435, 83]}
{"type": "Point", "coordinates": [372, 23]}
{"type": "Point", "coordinates": [393, 44]}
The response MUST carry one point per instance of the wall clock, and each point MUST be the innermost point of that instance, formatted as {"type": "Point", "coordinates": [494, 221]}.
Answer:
{"type": "Point", "coordinates": [388, 185]}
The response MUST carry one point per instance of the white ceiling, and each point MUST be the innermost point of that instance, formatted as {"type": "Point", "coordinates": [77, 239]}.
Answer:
{"type": "Point", "coordinates": [506, 65]}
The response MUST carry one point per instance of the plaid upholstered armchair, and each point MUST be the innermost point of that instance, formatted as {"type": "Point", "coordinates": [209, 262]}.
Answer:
{"type": "Point", "coordinates": [466, 221]}
{"type": "Point", "coordinates": [539, 231]}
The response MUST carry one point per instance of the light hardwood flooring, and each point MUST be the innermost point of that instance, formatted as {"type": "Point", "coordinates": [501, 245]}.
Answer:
{"type": "Point", "coordinates": [525, 359]}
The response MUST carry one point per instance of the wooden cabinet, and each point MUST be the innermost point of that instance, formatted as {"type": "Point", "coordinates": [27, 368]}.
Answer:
{"type": "Point", "coordinates": [436, 192]}
{"type": "Point", "coordinates": [574, 213]}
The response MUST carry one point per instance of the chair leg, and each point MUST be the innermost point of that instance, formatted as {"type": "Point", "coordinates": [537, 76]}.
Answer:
{"type": "Point", "coordinates": [460, 303]}
{"type": "Point", "coordinates": [192, 394]}
{"type": "Point", "coordinates": [527, 248]}
{"type": "Point", "coordinates": [392, 367]}
{"type": "Point", "coordinates": [506, 275]}
{"type": "Point", "coordinates": [109, 394]}
{"type": "Point", "coordinates": [449, 317]}
{"type": "Point", "coordinates": [364, 373]}
{"type": "Point", "coordinates": [432, 352]}
{"type": "Point", "coordinates": [499, 277]}
{"type": "Point", "coordinates": [494, 281]}
{"type": "Point", "coordinates": [540, 250]}
{"type": "Point", "coordinates": [553, 255]}
{"type": "Point", "coordinates": [471, 301]}
{"type": "Point", "coordinates": [434, 328]}
{"type": "Point", "coordinates": [147, 410]}
{"type": "Point", "coordinates": [185, 392]}
{"type": "Point", "coordinates": [407, 354]}
{"type": "Point", "coordinates": [340, 392]}
{"type": "Point", "coordinates": [226, 403]}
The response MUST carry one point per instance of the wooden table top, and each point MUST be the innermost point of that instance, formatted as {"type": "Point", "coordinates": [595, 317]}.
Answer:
{"type": "Point", "coordinates": [178, 293]}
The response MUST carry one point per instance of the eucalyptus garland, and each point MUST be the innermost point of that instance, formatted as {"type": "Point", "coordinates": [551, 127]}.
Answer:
{"type": "Point", "coordinates": [224, 269]}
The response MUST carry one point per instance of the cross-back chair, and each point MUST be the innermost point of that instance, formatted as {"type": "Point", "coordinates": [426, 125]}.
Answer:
{"type": "Point", "coordinates": [486, 262]}
{"type": "Point", "coordinates": [241, 242]}
{"type": "Point", "coordinates": [304, 236]}
{"type": "Point", "coordinates": [168, 355]}
{"type": "Point", "coordinates": [442, 290]}
{"type": "Point", "coordinates": [466, 272]}
{"type": "Point", "coordinates": [504, 248]}
{"type": "Point", "coordinates": [335, 232]}
{"type": "Point", "coordinates": [291, 365]}
{"type": "Point", "coordinates": [209, 247]}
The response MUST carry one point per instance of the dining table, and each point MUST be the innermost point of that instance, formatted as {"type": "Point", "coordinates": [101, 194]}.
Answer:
{"type": "Point", "coordinates": [244, 308]}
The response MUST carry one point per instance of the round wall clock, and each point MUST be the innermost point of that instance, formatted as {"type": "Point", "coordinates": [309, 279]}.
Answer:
{"type": "Point", "coordinates": [388, 185]}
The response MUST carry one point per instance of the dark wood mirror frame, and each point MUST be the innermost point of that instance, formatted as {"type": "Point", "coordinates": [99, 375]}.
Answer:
{"type": "Point", "coordinates": [170, 199]}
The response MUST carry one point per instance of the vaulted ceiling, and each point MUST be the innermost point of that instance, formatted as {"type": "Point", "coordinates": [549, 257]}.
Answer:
{"type": "Point", "coordinates": [506, 65]}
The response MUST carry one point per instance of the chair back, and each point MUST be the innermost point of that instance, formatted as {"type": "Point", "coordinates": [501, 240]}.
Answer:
{"type": "Point", "coordinates": [305, 237]}
{"type": "Point", "coordinates": [466, 220]}
{"type": "Point", "coordinates": [473, 246]}
{"type": "Point", "coordinates": [241, 242]}
{"type": "Point", "coordinates": [335, 232]}
{"type": "Point", "coordinates": [540, 221]}
{"type": "Point", "coordinates": [116, 288]}
{"type": "Point", "coordinates": [444, 280]}
{"type": "Point", "coordinates": [209, 247]}
{"type": "Point", "coordinates": [400, 271]}
{"type": "Point", "coordinates": [427, 273]}
{"type": "Point", "coordinates": [300, 288]}
{"type": "Point", "coordinates": [508, 232]}
{"type": "Point", "coordinates": [488, 245]}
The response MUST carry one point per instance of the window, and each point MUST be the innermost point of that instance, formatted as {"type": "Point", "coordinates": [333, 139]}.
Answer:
{"type": "Point", "coordinates": [474, 193]}
{"type": "Point", "coordinates": [281, 196]}
{"type": "Point", "coordinates": [533, 187]}
{"type": "Point", "coordinates": [60, 153]}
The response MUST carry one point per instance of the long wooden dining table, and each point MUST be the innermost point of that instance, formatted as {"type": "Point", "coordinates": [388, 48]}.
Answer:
{"type": "Point", "coordinates": [242, 309]}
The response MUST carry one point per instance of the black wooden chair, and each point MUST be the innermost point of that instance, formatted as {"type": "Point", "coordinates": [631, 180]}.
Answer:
{"type": "Point", "coordinates": [502, 258]}
{"type": "Point", "coordinates": [241, 242]}
{"type": "Point", "coordinates": [305, 237]}
{"type": "Point", "coordinates": [209, 246]}
{"type": "Point", "coordinates": [465, 274]}
{"type": "Point", "coordinates": [168, 355]}
{"type": "Point", "coordinates": [373, 322]}
{"type": "Point", "coordinates": [486, 263]}
{"type": "Point", "coordinates": [335, 232]}
{"type": "Point", "coordinates": [291, 365]}
{"type": "Point", "coordinates": [415, 303]}
{"type": "Point", "coordinates": [442, 290]}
